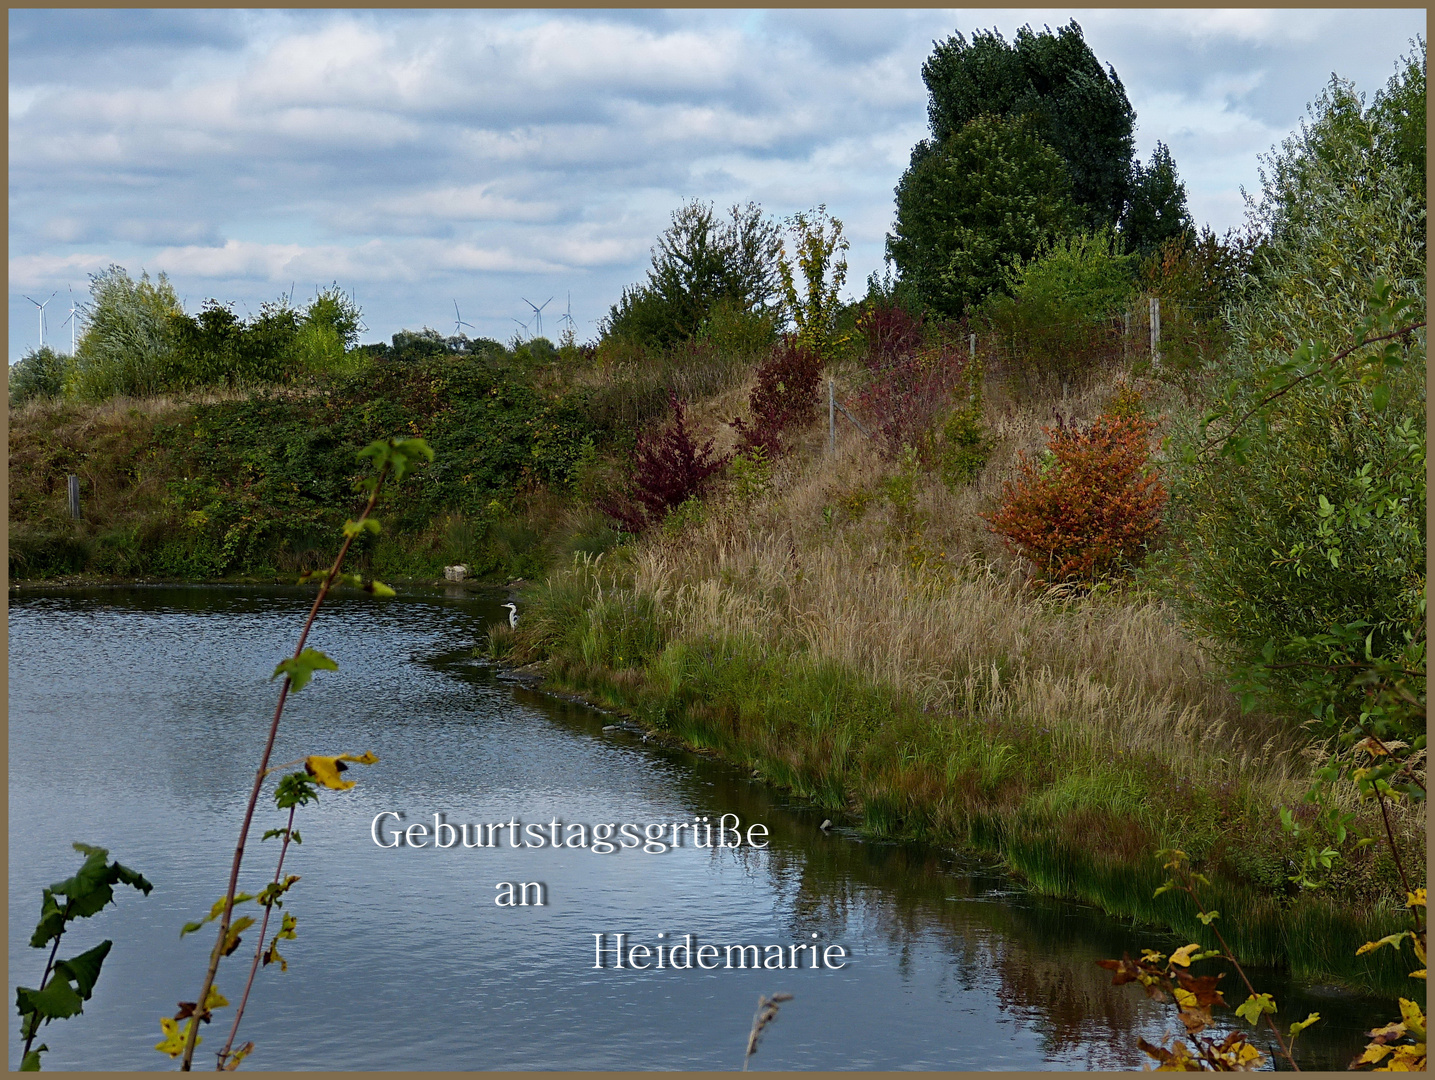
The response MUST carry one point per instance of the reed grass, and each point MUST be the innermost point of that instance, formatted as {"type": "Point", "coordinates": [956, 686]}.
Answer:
{"type": "Point", "coordinates": [869, 646]}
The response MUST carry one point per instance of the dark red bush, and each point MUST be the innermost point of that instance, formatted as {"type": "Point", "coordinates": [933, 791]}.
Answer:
{"type": "Point", "coordinates": [785, 397]}
{"type": "Point", "coordinates": [668, 469]}
{"type": "Point", "coordinates": [910, 381]}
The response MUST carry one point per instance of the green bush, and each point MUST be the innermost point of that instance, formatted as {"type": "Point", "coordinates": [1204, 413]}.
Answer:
{"type": "Point", "coordinates": [1317, 521]}
{"type": "Point", "coordinates": [130, 345]}
{"type": "Point", "coordinates": [38, 375]}
{"type": "Point", "coordinates": [965, 446]}
{"type": "Point", "coordinates": [1058, 314]}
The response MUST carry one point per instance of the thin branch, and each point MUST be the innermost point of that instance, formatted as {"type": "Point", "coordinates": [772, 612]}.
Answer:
{"type": "Point", "coordinates": [45, 978]}
{"type": "Point", "coordinates": [258, 948]}
{"type": "Point", "coordinates": [218, 952]}
{"type": "Point", "coordinates": [1337, 358]}
{"type": "Point", "coordinates": [1231, 956]}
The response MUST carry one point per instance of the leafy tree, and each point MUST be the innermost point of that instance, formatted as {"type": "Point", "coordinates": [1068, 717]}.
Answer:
{"type": "Point", "coordinates": [821, 258]}
{"type": "Point", "coordinates": [40, 373]}
{"type": "Point", "coordinates": [1399, 113]}
{"type": "Point", "coordinates": [1156, 206]}
{"type": "Point", "coordinates": [332, 310]}
{"type": "Point", "coordinates": [1079, 109]}
{"type": "Point", "coordinates": [1304, 538]}
{"type": "Point", "coordinates": [129, 346]}
{"type": "Point", "coordinates": [698, 260]}
{"type": "Point", "coordinates": [987, 197]}
{"type": "Point", "coordinates": [1055, 312]}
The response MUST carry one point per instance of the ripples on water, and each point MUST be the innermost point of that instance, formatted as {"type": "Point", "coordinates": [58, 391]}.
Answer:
{"type": "Point", "coordinates": [136, 718]}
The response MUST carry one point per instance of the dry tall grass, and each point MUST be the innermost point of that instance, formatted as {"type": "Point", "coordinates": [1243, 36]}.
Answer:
{"type": "Point", "coordinates": [821, 563]}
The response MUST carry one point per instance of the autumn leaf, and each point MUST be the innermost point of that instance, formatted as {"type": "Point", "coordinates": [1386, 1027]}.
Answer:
{"type": "Point", "coordinates": [1301, 1025]}
{"type": "Point", "coordinates": [326, 769]}
{"type": "Point", "coordinates": [174, 1038]}
{"type": "Point", "coordinates": [1392, 940]}
{"type": "Point", "coordinates": [1182, 955]}
{"type": "Point", "coordinates": [237, 1056]}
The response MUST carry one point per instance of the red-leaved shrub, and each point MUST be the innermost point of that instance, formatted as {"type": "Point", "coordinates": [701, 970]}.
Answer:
{"type": "Point", "coordinates": [668, 469]}
{"type": "Point", "coordinates": [784, 398]}
{"type": "Point", "coordinates": [910, 382]}
{"type": "Point", "coordinates": [1093, 509]}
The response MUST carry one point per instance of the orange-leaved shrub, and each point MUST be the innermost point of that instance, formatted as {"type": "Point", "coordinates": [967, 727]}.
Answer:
{"type": "Point", "coordinates": [1092, 507]}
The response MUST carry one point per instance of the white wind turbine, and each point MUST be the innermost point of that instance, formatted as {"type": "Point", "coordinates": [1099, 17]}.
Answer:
{"type": "Point", "coordinates": [537, 313]}
{"type": "Point", "coordinates": [42, 314]}
{"type": "Point", "coordinates": [567, 316]}
{"type": "Point", "coordinates": [70, 318]}
{"type": "Point", "coordinates": [458, 321]}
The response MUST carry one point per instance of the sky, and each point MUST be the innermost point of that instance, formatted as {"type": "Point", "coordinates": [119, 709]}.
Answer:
{"type": "Point", "coordinates": [489, 159]}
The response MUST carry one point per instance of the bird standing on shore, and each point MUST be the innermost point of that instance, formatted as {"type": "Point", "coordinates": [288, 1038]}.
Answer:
{"type": "Point", "coordinates": [512, 615]}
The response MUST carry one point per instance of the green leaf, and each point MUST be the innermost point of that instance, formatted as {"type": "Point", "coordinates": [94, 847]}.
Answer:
{"type": "Point", "coordinates": [84, 969]}
{"type": "Point", "coordinates": [1380, 397]}
{"type": "Point", "coordinates": [354, 528]}
{"type": "Point", "coordinates": [378, 588]}
{"type": "Point", "coordinates": [1255, 1006]}
{"type": "Point", "coordinates": [57, 1001]}
{"type": "Point", "coordinates": [1208, 917]}
{"type": "Point", "coordinates": [32, 1059]}
{"type": "Point", "coordinates": [301, 668]}
{"type": "Point", "coordinates": [85, 894]}
{"type": "Point", "coordinates": [1301, 1025]}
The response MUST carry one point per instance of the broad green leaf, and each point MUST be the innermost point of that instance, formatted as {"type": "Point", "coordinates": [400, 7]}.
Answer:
{"type": "Point", "coordinates": [1252, 1009]}
{"type": "Point", "coordinates": [1208, 917]}
{"type": "Point", "coordinates": [354, 528]}
{"type": "Point", "coordinates": [31, 1063]}
{"type": "Point", "coordinates": [237, 927]}
{"type": "Point", "coordinates": [84, 969]}
{"type": "Point", "coordinates": [57, 1001]}
{"type": "Point", "coordinates": [301, 668]}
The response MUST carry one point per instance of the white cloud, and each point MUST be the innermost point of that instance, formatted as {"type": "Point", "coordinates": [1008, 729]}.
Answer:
{"type": "Point", "coordinates": [470, 152]}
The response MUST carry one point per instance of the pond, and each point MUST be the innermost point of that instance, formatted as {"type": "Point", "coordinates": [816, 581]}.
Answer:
{"type": "Point", "coordinates": [136, 719]}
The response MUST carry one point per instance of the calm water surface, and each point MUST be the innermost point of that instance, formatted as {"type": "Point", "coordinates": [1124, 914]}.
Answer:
{"type": "Point", "coordinates": [136, 717]}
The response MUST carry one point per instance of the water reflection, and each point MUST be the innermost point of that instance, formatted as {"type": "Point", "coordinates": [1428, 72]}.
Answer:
{"type": "Point", "coordinates": [150, 703]}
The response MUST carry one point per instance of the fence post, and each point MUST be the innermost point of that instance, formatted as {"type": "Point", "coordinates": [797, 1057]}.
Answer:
{"type": "Point", "coordinates": [74, 492]}
{"type": "Point", "coordinates": [1155, 331]}
{"type": "Point", "coordinates": [832, 416]}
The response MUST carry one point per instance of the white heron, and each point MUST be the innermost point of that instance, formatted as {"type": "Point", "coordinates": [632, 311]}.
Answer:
{"type": "Point", "coordinates": [512, 614]}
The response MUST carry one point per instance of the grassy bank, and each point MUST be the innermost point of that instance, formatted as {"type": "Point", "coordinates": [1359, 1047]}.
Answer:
{"type": "Point", "coordinates": [850, 631]}
{"type": "Point", "coordinates": [254, 484]}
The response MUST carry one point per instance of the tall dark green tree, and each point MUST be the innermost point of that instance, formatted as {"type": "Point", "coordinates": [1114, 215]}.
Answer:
{"type": "Point", "coordinates": [986, 198]}
{"type": "Point", "coordinates": [1156, 208]}
{"type": "Point", "coordinates": [1080, 109]}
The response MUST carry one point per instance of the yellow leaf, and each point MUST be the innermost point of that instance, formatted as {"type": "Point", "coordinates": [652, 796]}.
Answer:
{"type": "Point", "coordinates": [1416, 898]}
{"type": "Point", "coordinates": [1392, 940]}
{"type": "Point", "coordinates": [1373, 1054]}
{"type": "Point", "coordinates": [1182, 955]}
{"type": "Point", "coordinates": [1301, 1025]}
{"type": "Point", "coordinates": [214, 999]}
{"type": "Point", "coordinates": [1418, 974]}
{"type": "Point", "coordinates": [174, 1037]}
{"type": "Point", "coordinates": [1414, 1018]}
{"type": "Point", "coordinates": [326, 769]}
